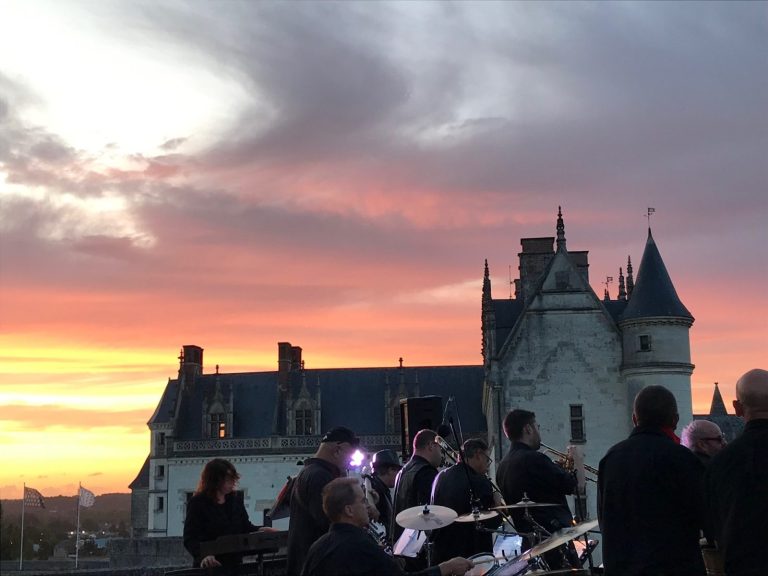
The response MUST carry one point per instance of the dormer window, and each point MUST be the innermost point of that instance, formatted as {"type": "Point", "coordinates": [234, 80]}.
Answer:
{"type": "Point", "coordinates": [217, 427]}
{"type": "Point", "coordinates": [644, 341]}
{"type": "Point", "coordinates": [304, 419]}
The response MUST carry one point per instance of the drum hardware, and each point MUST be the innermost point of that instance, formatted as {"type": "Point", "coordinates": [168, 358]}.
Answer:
{"type": "Point", "coordinates": [426, 517]}
{"type": "Point", "coordinates": [477, 516]}
{"type": "Point", "coordinates": [562, 536]}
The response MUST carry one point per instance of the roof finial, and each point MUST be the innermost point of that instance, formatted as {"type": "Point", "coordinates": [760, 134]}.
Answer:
{"type": "Point", "coordinates": [648, 216]}
{"type": "Point", "coordinates": [608, 280]}
{"type": "Point", "coordinates": [622, 291]}
{"type": "Point", "coordinates": [630, 278]}
{"type": "Point", "coordinates": [560, 229]}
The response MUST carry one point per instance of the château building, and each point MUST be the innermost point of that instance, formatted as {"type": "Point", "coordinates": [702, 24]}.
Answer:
{"type": "Point", "coordinates": [556, 348]}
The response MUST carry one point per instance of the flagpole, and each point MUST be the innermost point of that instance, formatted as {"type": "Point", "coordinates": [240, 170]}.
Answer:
{"type": "Point", "coordinates": [77, 533]}
{"type": "Point", "coordinates": [23, 505]}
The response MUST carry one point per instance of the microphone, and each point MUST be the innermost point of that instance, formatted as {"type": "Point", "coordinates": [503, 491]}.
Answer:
{"type": "Point", "coordinates": [444, 429]}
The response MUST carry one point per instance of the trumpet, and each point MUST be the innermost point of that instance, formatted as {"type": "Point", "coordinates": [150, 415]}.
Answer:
{"type": "Point", "coordinates": [566, 461]}
{"type": "Point", "coordinates": [446, 448]}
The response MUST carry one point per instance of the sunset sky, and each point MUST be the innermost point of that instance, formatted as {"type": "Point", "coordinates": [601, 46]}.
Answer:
{"type": "Point", "coordinates": [234, 174]}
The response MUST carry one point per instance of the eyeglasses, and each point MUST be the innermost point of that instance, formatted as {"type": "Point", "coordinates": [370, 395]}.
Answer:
{"type": "Point", "coordinates": [720, 439]}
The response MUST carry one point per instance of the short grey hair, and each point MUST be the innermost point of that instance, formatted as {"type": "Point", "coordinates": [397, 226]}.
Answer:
{"type": "Point", "coordinates": [695, 431]}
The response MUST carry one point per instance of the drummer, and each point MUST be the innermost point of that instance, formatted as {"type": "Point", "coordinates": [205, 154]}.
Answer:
{"type": "Point", "coordinates": [525, 471]}
{"type": "Point", "coordinates": [462, 487]}
{"type": "Point", "coordinates": [348, 550]}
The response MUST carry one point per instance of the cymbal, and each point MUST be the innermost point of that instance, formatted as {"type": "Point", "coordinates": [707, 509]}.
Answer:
{"type": "Point", "coordinates": [523, 504]}
{"type": "Point", "coordinates": [481, 515]}
{"type": "Point", "coordinates": [562, 536]}
{"type": "Point", "coordinates": [426, 517]}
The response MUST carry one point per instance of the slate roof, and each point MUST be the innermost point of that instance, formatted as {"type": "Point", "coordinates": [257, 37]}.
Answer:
{"type": "Point", "coordinates": [142, 478]}
{"type": "Point", "coordinates": [352, 397]}
{"type": "Point", "coordinates": [506, 313]}
{"type": "Point", "coordinates": [654, 294]}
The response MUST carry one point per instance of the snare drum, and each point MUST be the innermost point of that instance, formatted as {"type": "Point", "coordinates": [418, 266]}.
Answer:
{"type": "Point", "coordinates": [484, 564]}
{"type": "Point", "coordinates": [563, 572]}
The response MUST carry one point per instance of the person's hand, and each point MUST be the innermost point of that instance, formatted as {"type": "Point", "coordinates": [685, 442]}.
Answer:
{"type": "Point", "coordinates": [209, 562]}
{"type": "Point", "coordinates": [373, 512]}
{"type": "Point", "coordinates": [267, 529]}
{"type": "Point", "coordinates": [455, 566]}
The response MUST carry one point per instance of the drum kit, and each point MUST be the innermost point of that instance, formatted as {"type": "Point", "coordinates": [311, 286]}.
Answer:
{"type": "Point", "coordinates": [503, 562]}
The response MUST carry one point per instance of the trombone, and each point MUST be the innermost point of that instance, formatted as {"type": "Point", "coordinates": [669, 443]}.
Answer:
{"type": "Point", "coordinates": [449, 452]}
{"type": "Point", "coordinates": [566, 461]}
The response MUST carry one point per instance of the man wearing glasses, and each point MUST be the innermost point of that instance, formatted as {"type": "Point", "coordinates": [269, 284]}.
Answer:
{"type": "Point", "coordinates": [462, 487]}
{"type": "Point", "coordinates": [348, 550]}
{"type": "Point", "coordinates": [704, 439]}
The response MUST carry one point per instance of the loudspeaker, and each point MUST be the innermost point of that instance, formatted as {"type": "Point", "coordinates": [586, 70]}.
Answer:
{"type": "Point", "coordinates": [417, 414]}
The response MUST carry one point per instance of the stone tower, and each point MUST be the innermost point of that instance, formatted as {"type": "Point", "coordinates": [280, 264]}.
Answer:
{"type": "Point", "coordinates": [655, 334]}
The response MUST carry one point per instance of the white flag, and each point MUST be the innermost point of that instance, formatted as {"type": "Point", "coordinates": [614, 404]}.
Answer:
{"type": "Point", "coordinates": [87, 498]}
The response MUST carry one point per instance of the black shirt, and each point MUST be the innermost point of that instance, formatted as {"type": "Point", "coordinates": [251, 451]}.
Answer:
{"type": "Point", "coordinates": [207, 520]}
{"type": "Point", "coordinates": [347, 550]}
{"type": "Point", "coordinates": [526, 471]}
{"type": "Point", "coordinates": [308, 521]}
{"type": "Point", "coordinates": [650, 507]}
{"type": "Point", "coordinates": [451, 489]}
{"type": "Point", "coordinates": [737, 500]}
{"type": "Point", "coordinates": [413, 487]}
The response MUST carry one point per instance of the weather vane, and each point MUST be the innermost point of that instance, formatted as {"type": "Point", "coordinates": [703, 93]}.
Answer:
{"type": "Point", "coordinates": [648, 215]}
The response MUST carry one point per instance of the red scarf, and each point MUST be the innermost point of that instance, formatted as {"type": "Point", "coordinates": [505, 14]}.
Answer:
{"type": "Point", "coordinates": [669, 431]}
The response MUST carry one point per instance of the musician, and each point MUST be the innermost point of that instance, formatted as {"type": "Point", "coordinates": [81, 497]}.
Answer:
{"type": "Point", "coordinates": [649, 495]}
{"type": "Point", "coordinates": [704, 439]}
{"type": "Point", "coordinates": [308, 521]}
{"type": "Point", "coordinates": [455, 488]}
{"type": "Point", "coordinates": [524, 470]}
{"type": "Point", "coordinates": [348, 550]}
{"type": "Point", "coordinates": [214, 510]}
{"type": "Point", "coordinates": [413, 485]}
{"type": "Point", "coordinates": [737, 483]}
{"type": "Point", "coordinates": [386, 465]}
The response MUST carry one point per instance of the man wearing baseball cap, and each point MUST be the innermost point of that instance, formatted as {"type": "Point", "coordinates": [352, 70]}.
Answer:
{"type": "Point", "coordinates": [308, 521]}
{"type": "Point", "coordinates": [386, 465]}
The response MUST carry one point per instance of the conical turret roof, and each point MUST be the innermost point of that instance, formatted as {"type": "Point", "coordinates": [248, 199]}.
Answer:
{"type": "Point", "coordinates": [717, 408]}
{"type": "Point", "coordinates": [654, 294]}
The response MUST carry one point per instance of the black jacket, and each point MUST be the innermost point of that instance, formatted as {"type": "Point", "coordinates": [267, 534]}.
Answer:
{"type": "Point", "coordinates": [308, 521]}
{"type": "Point", "coordinates": [206, 520]}
{"type": "Point", "coordinates": [451, 489]}
{"type": "Point", "coordinates": [413, 487]}
{"type": "Point", "coordinates": [525, 470]}
{"type": "Point", "coordinates": [650, 507]}
{"type": "Point", "coordinates": [346, 550]}
{"type": "Point", "coordinates": [737, 501]}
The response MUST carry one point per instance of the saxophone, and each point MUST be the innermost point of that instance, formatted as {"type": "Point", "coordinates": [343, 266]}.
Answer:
{"type": "Point", "coordinates": [375, 529]}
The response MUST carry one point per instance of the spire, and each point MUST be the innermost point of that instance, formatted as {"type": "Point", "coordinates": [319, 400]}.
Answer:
{"type": "Point", "coordinates": [630, 278]}
{"type": "Point", "coordinates": [654, 295]}
{"type": "Point", "coordinates": [622, 291]}
{"type": "Point", "coordinates": [717, 408]}
{"type": "Point", "coordinates": [486, 287]}
{"type": "Point", "coordinates": [560, 230]}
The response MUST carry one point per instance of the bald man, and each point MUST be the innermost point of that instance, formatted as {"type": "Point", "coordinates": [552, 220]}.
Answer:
{"type": "Point", "coordinates": [736, 483]}
{"type": "Point", "coordinates": [704, 439]}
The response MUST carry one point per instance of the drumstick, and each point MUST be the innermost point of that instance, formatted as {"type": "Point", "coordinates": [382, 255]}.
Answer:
{"type": "Point", "coordinates": [486, 560]}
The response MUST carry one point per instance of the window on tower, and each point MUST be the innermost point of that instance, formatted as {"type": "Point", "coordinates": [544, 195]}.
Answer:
{"type": "Point", "coordinates": [645, 342]}
{"type": "Point", "coordinates": [578, 433]}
